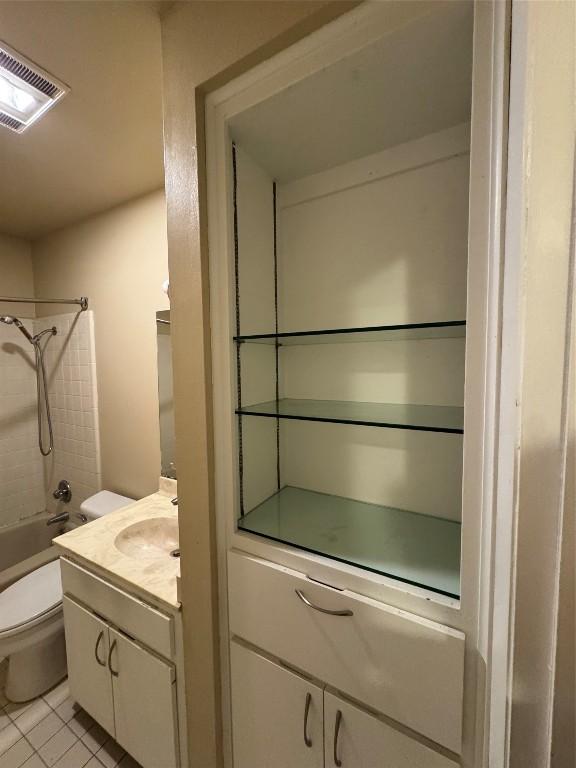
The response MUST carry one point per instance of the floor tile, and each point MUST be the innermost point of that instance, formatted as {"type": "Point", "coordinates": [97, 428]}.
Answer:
{"type": "Point", "coordinates": [8, 736]}
{"type": "Point", "coordinates": [3, 676]}
{"type": "Point", "coordinates": [67, 709]}
{"type": "Point", "coordinates": [81, 722]}
{"type": "Point", "coordinates": [128, 762]}
{"type": "Point", "coordinates": [94, 763]}
{"type": "Point", "coordinates": [60, 743]}
{"type": "Point", "coordinates": [4, 719]}
{"type": "Point", "coordinates": [32, 716]}
{"type": "Point", "coordinates": [95, 738]}
{"type": "Point", "coordinates": [15, 709]}
{"type": "Point", "coordinates": [76, 757]}
{"type": "Point", "coordinates": [33, 762]}
{"type": "Point", "coordinates": [16, 755]}
{"type": "Point", "coordinates": [58, 694]}
{"type": "Point", "coordinates": [110, 754]}
{"type": "Point", "coordinates": [44, 731]}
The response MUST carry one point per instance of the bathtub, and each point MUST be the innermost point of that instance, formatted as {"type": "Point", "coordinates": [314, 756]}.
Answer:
{"type": "Point", "coordinates": [26, 545]}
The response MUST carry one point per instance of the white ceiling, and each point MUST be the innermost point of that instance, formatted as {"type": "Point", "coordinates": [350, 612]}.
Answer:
{"type": "Point", "coordinates": [102, 144]}
{"type": "Point", "coordinates": [414, 81]}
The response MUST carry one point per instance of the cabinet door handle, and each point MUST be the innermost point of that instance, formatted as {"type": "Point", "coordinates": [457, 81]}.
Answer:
{"type": "Point", "coordinates": [337, 760]}
{"type": "Point", "coordinates": [112, 671]}
{"type": "Point", "coordinates": [307, 739]}
{"type": "Point", "coordinates": [302, 596]}
{"type": "Point", "coordinates": [97, 646]}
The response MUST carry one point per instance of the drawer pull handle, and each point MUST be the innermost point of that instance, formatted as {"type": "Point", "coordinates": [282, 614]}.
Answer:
{"type": "Point", "coordinates": [302, 596]}
{"type": "Point", "coordinates": [307, 739]}
{"type": "Point", "coordinates": [97, 646]}
{"type": "Point", "coordinates": [337, 760]}
{"type": "Point", "coordinates": [112, 671]}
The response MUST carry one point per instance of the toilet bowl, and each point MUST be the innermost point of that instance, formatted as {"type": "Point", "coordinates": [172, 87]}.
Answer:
{"type": "Point", "coordinates": [32, 621]}
{"type": "Point", "coordinates": [32, 633]}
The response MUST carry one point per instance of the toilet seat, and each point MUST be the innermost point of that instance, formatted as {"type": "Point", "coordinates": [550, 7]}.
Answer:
{"type": "Point", "coordinates": [31, 599]}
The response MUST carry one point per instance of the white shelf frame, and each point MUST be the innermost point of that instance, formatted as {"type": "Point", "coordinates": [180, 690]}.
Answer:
{"type": "Point", "coordinates": [473, 613]}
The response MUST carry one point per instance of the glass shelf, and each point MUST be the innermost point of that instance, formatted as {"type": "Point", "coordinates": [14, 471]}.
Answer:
{"type": "Point", "coordinates": [416, 549]}
{"type": "Point", "coordinates": [429, 418]}
{"type": "Point", "coordinates": [412, 331]}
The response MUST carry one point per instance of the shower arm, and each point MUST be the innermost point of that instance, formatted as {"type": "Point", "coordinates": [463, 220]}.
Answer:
{"type": "Point", "coordinates": [82, 301]}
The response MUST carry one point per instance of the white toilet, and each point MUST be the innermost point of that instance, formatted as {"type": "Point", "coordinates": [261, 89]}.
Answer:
{"type": "Point", "coordinates": [31, 620]}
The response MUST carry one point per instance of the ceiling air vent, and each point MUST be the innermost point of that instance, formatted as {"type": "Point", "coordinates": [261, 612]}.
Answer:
{"type": "Point", "coordinates": [26, 91]}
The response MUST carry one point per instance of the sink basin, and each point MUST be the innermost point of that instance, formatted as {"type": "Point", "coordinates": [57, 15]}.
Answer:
{"type": "Point", "coordinates": [149, 539]}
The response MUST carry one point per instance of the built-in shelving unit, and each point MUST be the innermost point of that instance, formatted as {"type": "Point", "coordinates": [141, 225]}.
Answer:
{"type": "Point", "coordinates": [350, 420]}
{"type": "Point", "coordinates": [417, 549]}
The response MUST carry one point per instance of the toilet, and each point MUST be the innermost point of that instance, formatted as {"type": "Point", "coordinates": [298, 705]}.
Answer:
{"type": "Point", "coordinates": [31, 619]}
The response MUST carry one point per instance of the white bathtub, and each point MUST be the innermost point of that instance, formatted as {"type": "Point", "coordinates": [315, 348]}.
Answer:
{"type": "Point", "coordinates": [26, 545]}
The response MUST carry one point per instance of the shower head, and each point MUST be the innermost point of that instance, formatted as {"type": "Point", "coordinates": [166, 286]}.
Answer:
{"type": "Point", "coordinates": [9, 320]}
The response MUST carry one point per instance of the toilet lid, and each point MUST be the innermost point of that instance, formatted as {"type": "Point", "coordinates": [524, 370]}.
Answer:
{"type": "Point", "coordinates": [31, 596]}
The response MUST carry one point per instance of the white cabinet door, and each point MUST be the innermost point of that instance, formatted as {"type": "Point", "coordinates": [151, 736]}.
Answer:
{"type": "Point", "coordinates": [355, 739]}
{"type": "Point", "coordinates": [276, 715]}
{"type": "Point", "coordinates": [144, 703]}
{"type": "Point", "coordinates": [409, 668]}
{"type": "Point", "coordinates": [87, 647]}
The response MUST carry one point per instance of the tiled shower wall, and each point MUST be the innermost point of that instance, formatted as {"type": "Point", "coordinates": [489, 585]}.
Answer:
{"type": "Point", "coordinates": [26, 479]}
{"type": "Point", "coordinates": [71, 368]}
{"type": "Point", "coordinates": [21, 472]}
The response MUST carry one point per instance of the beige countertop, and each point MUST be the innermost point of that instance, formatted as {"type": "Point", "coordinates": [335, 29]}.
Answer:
{"type": "Point", "coordinates": [92, 545]}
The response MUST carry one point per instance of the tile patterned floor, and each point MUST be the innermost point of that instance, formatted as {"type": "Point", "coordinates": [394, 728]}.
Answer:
{"type": "Point", "coordinates": [54, 732]}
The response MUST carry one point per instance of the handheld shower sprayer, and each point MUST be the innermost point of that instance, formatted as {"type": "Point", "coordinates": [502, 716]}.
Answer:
{"type": "Point", "coordinates": [41, 379]}
{"type": "Point", "coordinates": [9, 320]}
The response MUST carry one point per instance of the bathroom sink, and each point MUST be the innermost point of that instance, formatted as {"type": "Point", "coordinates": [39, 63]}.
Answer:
{"type": "Point", "coordinates": [149, 539]}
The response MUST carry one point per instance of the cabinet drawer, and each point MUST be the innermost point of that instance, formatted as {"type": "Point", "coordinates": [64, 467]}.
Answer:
{"type": "Point", "coordinates": [137, 619]}
{"type": "Point", "coordinates": [410, 669]}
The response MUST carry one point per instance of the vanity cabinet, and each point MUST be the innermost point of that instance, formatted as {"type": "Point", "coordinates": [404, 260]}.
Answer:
{"type": "Point", "coordinates": [282, 720]}
{"type": "Point", "coordinates": [120, 680]}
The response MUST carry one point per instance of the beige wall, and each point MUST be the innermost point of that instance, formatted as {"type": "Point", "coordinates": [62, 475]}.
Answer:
{"type": "Point", "coordinates": [16, 276]}
{"type": "Point", "coordinates": [119, 260]}
{"type": "Point", "coordinates": [204, 44]}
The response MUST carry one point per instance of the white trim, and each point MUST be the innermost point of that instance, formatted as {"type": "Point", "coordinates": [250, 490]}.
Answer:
{"type": "Point", "coordinates": [364, 25]}
{"type": "Point", "coordinates": [434, 148]}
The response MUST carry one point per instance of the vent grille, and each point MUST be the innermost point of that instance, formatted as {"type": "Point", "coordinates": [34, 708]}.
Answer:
{"type": "Point", "coordinates": [10, 64]}
{"type": "Point", "coordinates": [10, 122]}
